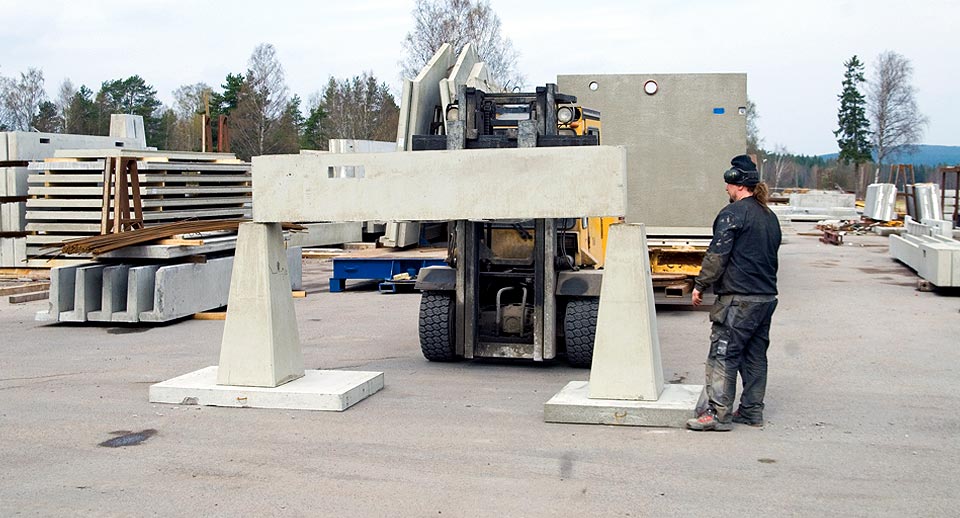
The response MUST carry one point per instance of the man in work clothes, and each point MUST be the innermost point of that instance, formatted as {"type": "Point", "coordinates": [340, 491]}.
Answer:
{"type": "Point", "coordinates": [741, 266]}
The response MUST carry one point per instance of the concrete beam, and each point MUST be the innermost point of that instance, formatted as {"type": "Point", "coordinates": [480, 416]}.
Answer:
{"type": "Point", "coordinates": [442, 185]}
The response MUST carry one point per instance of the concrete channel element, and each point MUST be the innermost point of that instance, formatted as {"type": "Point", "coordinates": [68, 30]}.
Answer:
{"type": "Point", "coordinates": [261, 364]}
{"type": "Point", "coordinates": [111, 292]}
{"type": "Point", "coordinates": [417, 186]}
{"type": "Point", "coordinates": [928, 248]}
{"type": "Point", "coordinates": [626, 378]}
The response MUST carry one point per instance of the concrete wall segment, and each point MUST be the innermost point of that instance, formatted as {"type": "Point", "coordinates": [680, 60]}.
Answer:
{"type": "Point", "coordinates": [677, 145]}
{"type": "Point", "coordinates": [442, 185]}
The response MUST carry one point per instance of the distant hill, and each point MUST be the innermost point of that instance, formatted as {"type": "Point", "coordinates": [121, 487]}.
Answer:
{"type": "Point", "coordinates": [926, 155]}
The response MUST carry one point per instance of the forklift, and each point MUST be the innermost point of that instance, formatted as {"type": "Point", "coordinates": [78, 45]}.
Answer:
{"type": "Point", "coordinates": [524, 289]}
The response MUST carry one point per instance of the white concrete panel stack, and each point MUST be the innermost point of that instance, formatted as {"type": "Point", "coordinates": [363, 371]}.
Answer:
{"type": "Point", "coordinates": [66, 192]}
{"type": "Point", "coordinates": [925, 201]}
{"type": "Point", "coordinates": [880, 203]}
{"type": "Point", "coordinates": [420, 95]}
{"type": "Point", "coordinates": [927, 248]}
{"type": "Point", "coordinates": [817, 205]}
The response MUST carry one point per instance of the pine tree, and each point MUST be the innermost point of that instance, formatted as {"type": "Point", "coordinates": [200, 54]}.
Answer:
{"type": "Point", "coordinates": [853, 133]}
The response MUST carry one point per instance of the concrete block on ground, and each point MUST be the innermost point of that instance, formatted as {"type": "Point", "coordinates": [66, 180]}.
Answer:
{"type": "Point", "coordinates": [417, 186]}
{"type": "Point", "coordinates": [261, 342]}
{"type": "Point", "coordinates": [812, 199]}
{"type": "Point", "coordinates": [573, 405]}
{"type": "Point", "coordinates": [626, 351]}
{"type": "Point", "coordinates": [401, 234]}
{"type": "Point", "coordinates": [13, 252]}
{"type": "Point", "coordinates": [316, 390]}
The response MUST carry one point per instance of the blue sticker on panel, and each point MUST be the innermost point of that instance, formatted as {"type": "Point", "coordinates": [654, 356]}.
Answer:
{"type": "Point", "coordinates": [718, 111]}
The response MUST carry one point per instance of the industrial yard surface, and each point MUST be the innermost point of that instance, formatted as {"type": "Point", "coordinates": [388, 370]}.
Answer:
{"type": "Point", "coordinates": [861, 412]}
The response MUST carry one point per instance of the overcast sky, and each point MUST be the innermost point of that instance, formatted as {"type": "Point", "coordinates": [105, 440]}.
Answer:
{"type": "Point", "coordinates": [792, 52]}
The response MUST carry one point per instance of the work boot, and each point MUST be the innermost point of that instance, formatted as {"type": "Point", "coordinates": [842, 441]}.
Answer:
{"type": "Point", "coordinates": [740, 419]}
{"type": "Point", "coordinates": [707, 422]}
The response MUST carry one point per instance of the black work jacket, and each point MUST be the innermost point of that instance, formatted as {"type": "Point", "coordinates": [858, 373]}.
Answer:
{"type": "Point", "coordinates": [742, 258]}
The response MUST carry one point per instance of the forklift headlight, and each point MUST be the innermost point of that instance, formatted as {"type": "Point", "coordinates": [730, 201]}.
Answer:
{"type": "Point", "coordinates": [453, 113]}
{"type": "Point", "coordinates": [565, 114]}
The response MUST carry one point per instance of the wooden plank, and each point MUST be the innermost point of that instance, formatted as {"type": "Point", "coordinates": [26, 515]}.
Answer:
{"type": "Point", "coordinates": [210, 315]}
{"type": "Point", "coordinates": [29, 297]}
{"type": "Point", "coordinates": [24, 273]}
{"type": "Point", "coordinates": [298, 294]}
{"type": "Point", "coordinates": [29, 287]}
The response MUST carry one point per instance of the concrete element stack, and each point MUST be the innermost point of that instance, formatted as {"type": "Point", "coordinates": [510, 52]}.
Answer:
{"type": "Point", "coordinates": [880, 202]}
{"type": "Point", "coordinates": [929, 249]}
{"type": "Point", "coordinates": [626, 379]}
{"type": "Point", "coordinates": [110, 292]}
{"type": "Point", "coordinates": [261, 364]}
{"type": "Point", "coordinates": [818, 205]}
{"type": "Point", "coordinates": [66, 192]}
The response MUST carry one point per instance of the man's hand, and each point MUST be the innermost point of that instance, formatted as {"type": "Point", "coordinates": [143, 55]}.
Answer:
{"type": "Point", "coordinates": [696, 298]}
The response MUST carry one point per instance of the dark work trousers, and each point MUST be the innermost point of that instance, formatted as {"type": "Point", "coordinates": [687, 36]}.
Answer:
{"type": "Point", "coordinates": [738, 344]}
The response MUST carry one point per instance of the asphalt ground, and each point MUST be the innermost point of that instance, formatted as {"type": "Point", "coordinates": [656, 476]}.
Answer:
{"type": "Point", "coordinates": [861, 416]}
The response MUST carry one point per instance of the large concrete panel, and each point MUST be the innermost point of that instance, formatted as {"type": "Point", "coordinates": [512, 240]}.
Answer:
{"type": "Point", "coordinates": [442, 185]}
{"type": "Point", "coordinates": [679, 140]}
{"type": "Point", "coordinates": [13, 181]}
{"type": "Point", "coordinates": [424, 94]}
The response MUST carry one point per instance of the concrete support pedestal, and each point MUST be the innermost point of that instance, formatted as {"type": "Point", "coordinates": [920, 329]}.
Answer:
{"type": "Point", "coordinates": [261, 364]}
{"type": "Point", "coordinates": [626, 379]}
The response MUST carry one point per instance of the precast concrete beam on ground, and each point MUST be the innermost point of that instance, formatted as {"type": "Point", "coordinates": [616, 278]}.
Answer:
{"type": "Point", "coordinates": [626, 378]}
{"type": "Point", "coordinates": [477, 184]}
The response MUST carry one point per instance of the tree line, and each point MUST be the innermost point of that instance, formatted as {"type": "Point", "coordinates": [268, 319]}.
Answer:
{"type": "Point", "coordinates": [263, 117]}
{"type": "Point", "coordinates": [878, 121]}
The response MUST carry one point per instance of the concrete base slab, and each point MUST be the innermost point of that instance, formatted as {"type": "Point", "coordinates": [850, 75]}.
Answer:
{"type": "Point", "coordinates": [316, 390]}
{"type": "Point", "coordinates": [571, 405]}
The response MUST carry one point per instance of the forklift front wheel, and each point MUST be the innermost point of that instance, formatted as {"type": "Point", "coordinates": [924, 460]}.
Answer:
{"type": "Point", "coordinates": [437, 326]}
{"type": "Point", "coordinates": [580, 328]}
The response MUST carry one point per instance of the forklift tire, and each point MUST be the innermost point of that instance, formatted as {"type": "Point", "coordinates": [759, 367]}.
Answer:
{"type": "Point", "coordinates": [437, 326]}
{"type": "Point", "coordinates": [580, 328]}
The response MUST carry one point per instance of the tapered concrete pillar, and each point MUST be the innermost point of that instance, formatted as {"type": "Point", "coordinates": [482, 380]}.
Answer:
{"type": "Point", "coordinates": [261, 344]}
{"type": "Point", "coordinates": [626, 352]}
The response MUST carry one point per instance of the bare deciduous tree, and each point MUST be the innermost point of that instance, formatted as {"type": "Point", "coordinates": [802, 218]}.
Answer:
{"type": "Point", "coordinates": [21, 98]}
{"type": "Point", "coordinates": [65, 96]}
{"type": "Point", "coordinates": [754, 140]}
{"type": "Point", "coordinates": [186, 131]}
{"type": "Point", "coordinates": [459, 22]}
{"type": "Point", "coordinates": [257, 120]}
{"type": "Point", "coordinates": [897, 122]}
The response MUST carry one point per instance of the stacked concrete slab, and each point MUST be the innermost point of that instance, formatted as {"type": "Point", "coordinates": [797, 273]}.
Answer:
{"type": "Point", "coordinates": [19, 148]}
{"type": "Point", "coordinates": [929, 248]}
{"type": "Point", "coordinates": [66, 191]}
{"type": "Point", "coordinates": [129, 292]}
{"type": "Point", "coordinates": [880, 202]}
